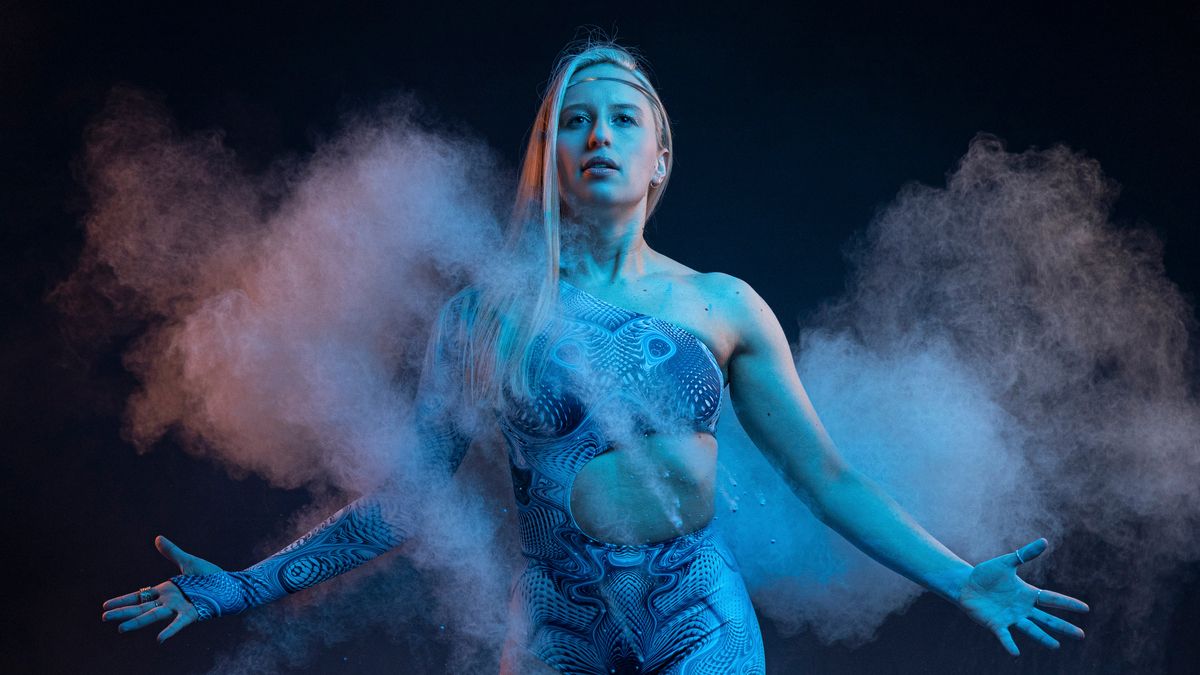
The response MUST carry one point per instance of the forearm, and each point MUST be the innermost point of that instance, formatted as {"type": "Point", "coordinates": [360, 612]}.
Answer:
{"type": "Point", "coordinates": [858, 509]}
{"type": "Point", "coordinates": [360, 532]}
{"type": "Point", "coordinates": [377, 522]}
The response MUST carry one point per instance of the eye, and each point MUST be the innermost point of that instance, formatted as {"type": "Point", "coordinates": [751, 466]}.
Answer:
{"type": "Point", "coordinates": [575, 120]}
{"type": "Point", "coordinates": [626, 119]}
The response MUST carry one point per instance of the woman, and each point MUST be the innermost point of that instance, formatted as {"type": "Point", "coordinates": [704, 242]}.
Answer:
{"type": "Point", "coordinates": [607, 387]}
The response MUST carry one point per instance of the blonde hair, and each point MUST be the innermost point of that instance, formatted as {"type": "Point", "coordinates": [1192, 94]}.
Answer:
{"type": "Point", "coordinates": [506, 317]}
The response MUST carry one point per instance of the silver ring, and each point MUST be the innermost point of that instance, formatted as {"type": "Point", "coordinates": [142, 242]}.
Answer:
{"type": "Point", "coordinates": [1038, 599]}
{"type": "Point", "coordinates": [145, 595]}
{"type": "Point", "coordinates": [1019, 558]}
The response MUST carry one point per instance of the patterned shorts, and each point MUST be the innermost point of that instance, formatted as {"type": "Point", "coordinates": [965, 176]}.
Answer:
{"type": "Point", "coordinates": [677, 607]}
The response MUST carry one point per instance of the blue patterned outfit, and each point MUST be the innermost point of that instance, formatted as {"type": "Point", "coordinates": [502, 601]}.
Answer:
{"type": "Point", "coordinates": [677, 607]}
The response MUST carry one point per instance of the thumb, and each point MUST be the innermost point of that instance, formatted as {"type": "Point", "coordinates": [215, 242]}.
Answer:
{"type": "Point", "coordinates": [188, 563]}
{"type": "Point", "coordinates": [172, 552]}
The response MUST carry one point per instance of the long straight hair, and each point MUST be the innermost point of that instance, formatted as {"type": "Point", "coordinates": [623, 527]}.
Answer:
{"type": "Point", "coordinates": [506, 317]}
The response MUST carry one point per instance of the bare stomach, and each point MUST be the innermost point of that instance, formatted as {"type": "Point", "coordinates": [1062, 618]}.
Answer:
{"type": "Point", "coordinates": [651, 490]}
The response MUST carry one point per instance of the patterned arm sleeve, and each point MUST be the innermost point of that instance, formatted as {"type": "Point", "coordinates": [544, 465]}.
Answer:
{"type": "Point", "coordinates": [369, 526]}
{"type": "Point", "coordinates": [359, 532]}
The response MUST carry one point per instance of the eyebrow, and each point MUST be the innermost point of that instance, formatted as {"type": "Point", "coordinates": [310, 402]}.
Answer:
{"type": "Point", "coordinates": [619, 106]}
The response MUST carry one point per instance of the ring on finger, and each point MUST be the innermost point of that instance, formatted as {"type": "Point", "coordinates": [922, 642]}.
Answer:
{"type": "Point", "coordinates": [146, 594]}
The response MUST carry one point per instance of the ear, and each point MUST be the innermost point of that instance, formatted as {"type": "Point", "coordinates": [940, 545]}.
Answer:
{"type": "Point", "coordinates": [660, 167]}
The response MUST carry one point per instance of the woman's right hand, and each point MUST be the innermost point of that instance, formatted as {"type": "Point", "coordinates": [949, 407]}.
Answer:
{"type": "Point", "coordinates": [159, 603]}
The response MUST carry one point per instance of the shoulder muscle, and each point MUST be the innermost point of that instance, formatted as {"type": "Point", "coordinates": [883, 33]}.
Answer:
{"type": "Point", "coordinates": [755, 326]}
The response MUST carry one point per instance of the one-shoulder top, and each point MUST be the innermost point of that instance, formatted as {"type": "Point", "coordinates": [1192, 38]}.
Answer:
{"type": "Point", "coordinates": [619, 368]}
{"type": "Point", "coordinates": [606, 373]}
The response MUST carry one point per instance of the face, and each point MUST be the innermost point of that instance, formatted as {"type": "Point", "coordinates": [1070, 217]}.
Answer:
{"type": "Point", "coordinates": [608, 151]}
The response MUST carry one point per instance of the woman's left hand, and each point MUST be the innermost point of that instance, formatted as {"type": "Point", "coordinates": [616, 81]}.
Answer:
{"type": "Point", "coordinates": [996, 597]}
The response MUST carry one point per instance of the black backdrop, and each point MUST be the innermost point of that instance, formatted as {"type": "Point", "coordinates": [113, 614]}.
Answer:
{"type": "Point", "coordinates": [793, 126]}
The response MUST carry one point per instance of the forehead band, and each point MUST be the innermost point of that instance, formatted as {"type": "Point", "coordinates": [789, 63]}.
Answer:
{"type": "Point", "coordinates": [631, 83]}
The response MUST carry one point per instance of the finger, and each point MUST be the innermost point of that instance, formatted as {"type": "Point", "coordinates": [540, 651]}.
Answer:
{"type": "Point", "coordinates": [1054, 600]}
{"type": "Point", "coordinates": [171, 552]}
{"type": "Point", "coordinates": [1035, 631]}
{"type": "Point", "coordinates": [139, 596]}
{"type": "Point", "coordinates": [182, 620]}
{"type": "Point", "coordinates": [121, 601]}
{"type": "Point", "coordinates": [127, 612]}
{"type": "Point", "coordinates": [1027, 552]}
{"type": "Point", "coordinates": [156, 614]}
{"type": "Point", "coordinates": [1006, 640]}
{"type": "Point", "coordinates": [1056, 624]}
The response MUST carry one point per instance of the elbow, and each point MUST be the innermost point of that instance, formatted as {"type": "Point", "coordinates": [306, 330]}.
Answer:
{"type": "Point", "coordinates": [829, 489]}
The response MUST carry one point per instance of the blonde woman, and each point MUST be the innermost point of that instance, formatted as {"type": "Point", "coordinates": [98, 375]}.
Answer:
{"type": "Point", "coordinates": [604, 372]}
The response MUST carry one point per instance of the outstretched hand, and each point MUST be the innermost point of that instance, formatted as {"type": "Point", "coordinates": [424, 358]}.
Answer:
{"type": "Point", "coordinates": [159, 603]}
{"type": "Point", "coordinates": [996, 597]}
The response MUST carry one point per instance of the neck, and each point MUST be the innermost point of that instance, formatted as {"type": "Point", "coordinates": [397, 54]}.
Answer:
{"type": "Point", "coordinates": [604, 248]}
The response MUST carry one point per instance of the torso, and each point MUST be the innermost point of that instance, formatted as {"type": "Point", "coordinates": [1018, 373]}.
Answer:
{"type": "Point", "coordinates": [613, 462]}
{"type": "Point", "coordinates": [649, 487]}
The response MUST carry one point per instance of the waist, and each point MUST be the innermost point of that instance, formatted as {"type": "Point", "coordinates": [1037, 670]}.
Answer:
{"type": "Point", "coordinates": [583, 557]}
{"type": "Point", "coordinates": [704, 535]}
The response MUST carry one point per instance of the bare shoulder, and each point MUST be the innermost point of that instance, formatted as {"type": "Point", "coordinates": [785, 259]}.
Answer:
{"type": "Point", "coordinates": [733, 300]}
{"type": "Point", "coordinates": [751, 324]}
{"type": "Point", "coordinates": [720, 308]}
{"type": "Point", "coordinates": [716, 287]}
{"type": "Point", "coordinates": [736, 298]}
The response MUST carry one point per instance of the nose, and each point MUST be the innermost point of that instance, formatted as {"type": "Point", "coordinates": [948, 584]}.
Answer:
{"type": "Point", "coordinates": [601, 134]}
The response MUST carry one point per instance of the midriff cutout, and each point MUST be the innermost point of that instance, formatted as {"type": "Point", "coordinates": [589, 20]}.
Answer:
{"type": "Point", "coordinates": [650, 490]}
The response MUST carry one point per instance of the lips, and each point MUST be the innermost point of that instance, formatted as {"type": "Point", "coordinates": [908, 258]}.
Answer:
{"type": "Point", "coordinates": [601, 162]}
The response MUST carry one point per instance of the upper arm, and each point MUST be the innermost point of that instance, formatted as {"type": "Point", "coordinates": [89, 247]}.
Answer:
{"type": "Point", "coordinates": [442, 411]}
{"type": "Point", "coordinates": [769, 399]}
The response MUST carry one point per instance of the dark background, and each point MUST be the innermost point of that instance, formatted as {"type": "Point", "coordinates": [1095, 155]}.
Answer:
{"type": "Point", "coordinates": [793, 126]}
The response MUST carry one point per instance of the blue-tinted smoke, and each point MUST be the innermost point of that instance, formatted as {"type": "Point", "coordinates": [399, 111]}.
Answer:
{"type": "Point", "coordinates": [1008, 364]}
{"type": "Point", "coordinates": [284, 319]}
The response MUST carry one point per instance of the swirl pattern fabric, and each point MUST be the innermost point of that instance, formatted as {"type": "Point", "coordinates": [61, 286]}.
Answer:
{"type": "Point", "coordinates": [349, 538]}
{"type": "Point", "coordinates": [677, 607]}
{"type": "Point", "coordinates": [368, 526]}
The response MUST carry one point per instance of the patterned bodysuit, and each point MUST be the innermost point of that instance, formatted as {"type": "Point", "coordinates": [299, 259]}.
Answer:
{"type": "Point", "coordinates": [676, 607]}
{"type": "Point", "coordinates": [586, 606]}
